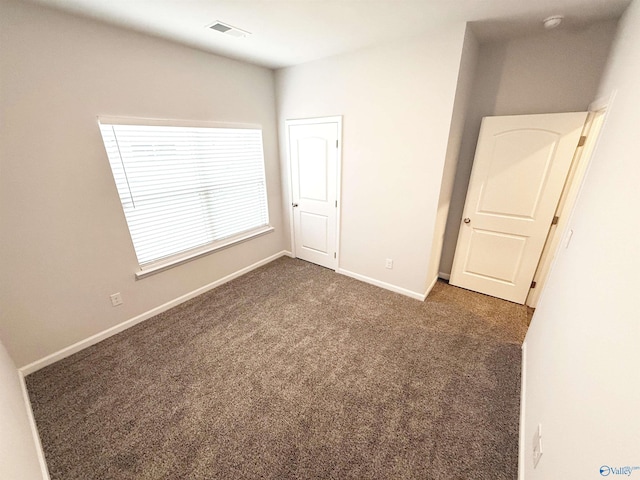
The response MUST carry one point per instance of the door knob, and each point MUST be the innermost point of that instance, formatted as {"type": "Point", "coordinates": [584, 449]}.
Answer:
{"type": "Point", "coordinates": [467, 220]}
{"type": "Point", "coordinates": [294, 205]}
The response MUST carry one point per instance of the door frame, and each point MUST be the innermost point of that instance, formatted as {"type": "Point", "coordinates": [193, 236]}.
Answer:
{"type": "Point", "coordinates": [289, 208]}
{"type": "Point", "coordinates": [596, 120]}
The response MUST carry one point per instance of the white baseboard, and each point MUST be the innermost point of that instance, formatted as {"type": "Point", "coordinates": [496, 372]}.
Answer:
{"type": "Point", "coordinates": [34, 428]}
{"type": "Point", "coordinates": [430, 287]}
{"type": "Point", "coordinates": [98, 337]}
{"type": "Point", "coordinates": [521, 439]}
{"type": "Point", "coordinates": [444, 276]}
{"type": "Point", "coordinates": [385, 285]}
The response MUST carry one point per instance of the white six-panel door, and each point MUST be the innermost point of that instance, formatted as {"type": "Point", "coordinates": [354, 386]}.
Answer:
{"type": "Point", "coordinates": [519, 171]}
{"type": "Point", "coordinates": [313, 154]}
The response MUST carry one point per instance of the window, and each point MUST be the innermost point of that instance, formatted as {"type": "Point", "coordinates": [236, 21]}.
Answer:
{"type": "Point", "coordinates": [187, 190]}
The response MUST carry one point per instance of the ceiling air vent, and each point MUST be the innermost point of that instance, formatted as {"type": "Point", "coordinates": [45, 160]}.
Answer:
{"type": "Point", "coordinates": [228, 29]}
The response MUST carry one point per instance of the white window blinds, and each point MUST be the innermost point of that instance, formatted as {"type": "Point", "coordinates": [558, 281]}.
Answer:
{"type": "Point", "coordinates": [182, 188]}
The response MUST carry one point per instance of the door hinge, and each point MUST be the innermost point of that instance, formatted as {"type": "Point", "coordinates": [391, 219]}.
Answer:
{"type": "Point", "coordinates": [336, 203]}
{"type": "Point", "coordinates": [533, 284]}
{"type": "Point", "coordinates": [334, 254]}
{"type": "Point", "coordinates": [582, 141]}
{"type": "Point", "coordinates": [336, 143]}
{"type": "Point", "coordinates": [555, 220]}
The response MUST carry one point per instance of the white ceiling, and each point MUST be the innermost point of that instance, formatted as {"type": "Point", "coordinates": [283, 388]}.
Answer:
{"type": "Point", "coordinates": [289, 32]}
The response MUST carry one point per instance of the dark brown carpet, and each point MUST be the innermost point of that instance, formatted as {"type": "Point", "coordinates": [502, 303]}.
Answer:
{"type": "Point", "coordinates": [293, 371]}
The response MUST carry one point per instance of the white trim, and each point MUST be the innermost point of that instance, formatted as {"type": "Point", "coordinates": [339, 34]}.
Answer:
{"type": "Point", "coordinates": [444, 276]}
{"type": "Point", "coordinates": [521, 439]}
{"type": "Point", "coordinates": [174, 261]}
{"type": "Point", "coordinates": [338, 190]}
{"type": "Point", "coordinates": [290, 190]}
{"type": "Point", "coordinates": [385, 285]}
{"type": "Point", "coordinates": [316, 121]}
{"type": "Point", "coordinates": [430, 287]}
{"type": "Point", "coordinates": [599, 108]}
{"type": "Point", "coordinates": [34, 428]}
{"type": "Point", "coordinates": [98, 337]}
{"type": "Point", "coordinates": [168, 122]}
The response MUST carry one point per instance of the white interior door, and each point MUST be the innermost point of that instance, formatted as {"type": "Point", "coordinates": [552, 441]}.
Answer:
{"type": "Point", "coordinates": [313, 150]}
{"type": "Point", "coordinates": [519, 170]}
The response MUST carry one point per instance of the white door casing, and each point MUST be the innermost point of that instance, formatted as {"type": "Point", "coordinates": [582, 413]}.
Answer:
{"type": "Point", "coordinates": [518, 174]}
{"type": "Point", "coordinates": [314, 161]}
{"type": "Point", "coordinates": [578, 169]}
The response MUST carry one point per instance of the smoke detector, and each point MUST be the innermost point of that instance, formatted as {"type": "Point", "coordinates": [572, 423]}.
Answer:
{"type": "Point", "coordinates": [552, 21]}
{"type": "Point", "coordinates": [228, 29]}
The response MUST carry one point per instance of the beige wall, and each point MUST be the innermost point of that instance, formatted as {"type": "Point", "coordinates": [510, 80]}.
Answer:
{"type": "Point", "coordinates": [65, 243]}
{"type": "Point", "coordinates": [19, 458]}
{"type": "Point", "coordinates": [582, 376]}
{"type": "Point", "coordinates": [397, 102]}
{"type": "Point", "coordinates": [557, 71]}
{"type": "Point", "coordinates": [466, 78]}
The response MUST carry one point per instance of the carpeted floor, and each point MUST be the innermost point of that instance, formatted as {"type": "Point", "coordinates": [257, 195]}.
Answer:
{"type": "Point", "coordinates": [293, 371]}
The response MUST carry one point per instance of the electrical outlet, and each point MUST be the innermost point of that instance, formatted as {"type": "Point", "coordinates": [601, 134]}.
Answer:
{"type": "Point", "coordinates": [388, 263]}
{"type": "Point", "coordinates": [116, 299]}
{"type": "Point", "coordinates": [537, 446]}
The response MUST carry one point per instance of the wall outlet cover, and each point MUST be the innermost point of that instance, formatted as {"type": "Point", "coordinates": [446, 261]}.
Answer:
{"type": "Point", "coordinates": [116, 299]}
{"type": "Point", "coordinates": [537, 446]}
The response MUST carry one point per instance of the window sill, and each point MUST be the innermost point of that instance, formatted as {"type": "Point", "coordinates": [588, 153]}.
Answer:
{"type": "Point", "coordinates": [161, 266]}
